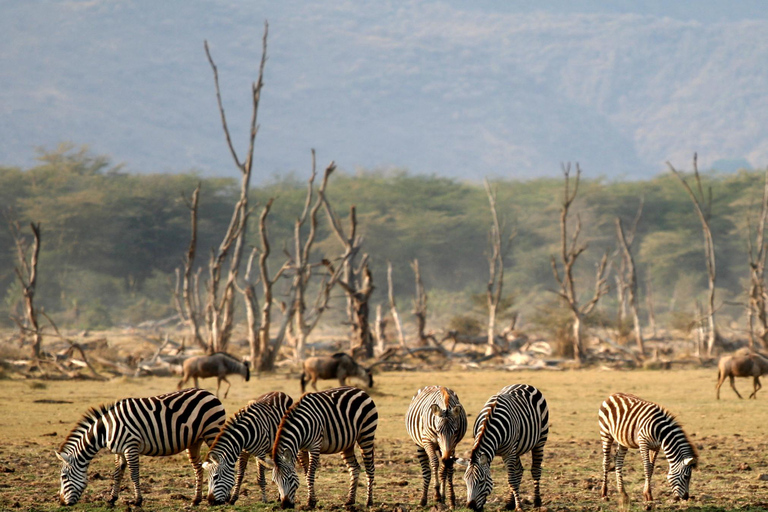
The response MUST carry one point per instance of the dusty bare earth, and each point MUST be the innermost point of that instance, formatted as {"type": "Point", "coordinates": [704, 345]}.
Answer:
{"type": "Point", "coordinates": [731, 435]}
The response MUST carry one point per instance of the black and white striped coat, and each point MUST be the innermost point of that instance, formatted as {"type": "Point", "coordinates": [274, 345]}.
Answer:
{"type": "Point", "coordinates": [329, 421]}
{"type": "Point", "coordinates": [436, 422]}
{"type": "Point", "coordinates": [156, 426]}
{"type": "Point", "coordinates": [249, 432]}
{"type": "Point", "coordinates": [512, 423]}
{"type": "Point", "coordinates": [639, 424]}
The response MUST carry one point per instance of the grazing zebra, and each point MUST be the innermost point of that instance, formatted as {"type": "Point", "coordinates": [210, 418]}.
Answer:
{"type": "Point", "coordinates": [638, 424]}
{"type": "Point", "coordinates": [511, 423]}
{"type": "Point", "coordinates": [157, 426]}
{"type": "Point", "coordinates": [251, 431]}
{"type": "Point", "coordinates": [329, 421]}
{"type": "Point", "coordinates": [217, 365]}
{"type": "Point", "coordinates": [436, 422]}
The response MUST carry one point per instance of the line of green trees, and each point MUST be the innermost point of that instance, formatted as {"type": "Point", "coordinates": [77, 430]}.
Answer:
{"type": "Point", "coordinates": [112, 241]}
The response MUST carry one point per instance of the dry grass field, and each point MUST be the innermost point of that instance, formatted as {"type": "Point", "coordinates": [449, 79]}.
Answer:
{"type": "Point", "coordinates": [731, 436]}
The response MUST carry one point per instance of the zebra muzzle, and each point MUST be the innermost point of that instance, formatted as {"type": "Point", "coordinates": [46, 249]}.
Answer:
{"type": "Point", "coordinates": [286, 503]}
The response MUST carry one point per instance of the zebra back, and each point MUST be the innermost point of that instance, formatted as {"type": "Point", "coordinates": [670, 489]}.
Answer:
{"type": "Point", "coordinates": [336, 418]}
{"type": "Point", "coordinates": [436, 416]}
{"type": "Point", "coordinates": [517, 418]}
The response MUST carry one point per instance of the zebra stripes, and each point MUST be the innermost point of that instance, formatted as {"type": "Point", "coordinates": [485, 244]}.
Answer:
{"type": "Point", "coordinates": [156, 426]}
{"type": "Point", "coordinates": [436, 422]}
{"type": "Point", "coordinates": [511, 423]}
{"type": "Point", "coordinates": [635, 423]}
{"type": "Point", "coordinates": [330, 421]}
{"type": "Point", "coordinates": [249, 432]}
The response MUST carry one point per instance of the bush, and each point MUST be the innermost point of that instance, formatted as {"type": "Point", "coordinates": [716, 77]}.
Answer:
{"type": "Point", "coordinates": [466, 325]}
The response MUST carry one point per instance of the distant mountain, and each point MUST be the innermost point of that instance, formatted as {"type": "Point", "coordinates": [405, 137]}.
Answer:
{"type": "Point", "coordinates": [495, 89]}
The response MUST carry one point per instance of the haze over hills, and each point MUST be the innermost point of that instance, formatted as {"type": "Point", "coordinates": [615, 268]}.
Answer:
{"type": "Point", "coordinates": [495, 89]}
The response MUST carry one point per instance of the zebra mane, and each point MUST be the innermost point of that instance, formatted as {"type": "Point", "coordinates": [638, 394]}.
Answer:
{"type": "Point", "coordinates": [481, 428]}
{"type": "Point", "coordinates": [91, 416]}
{"type": "Point", "coordinates": [283, 422]}
{"type": "Point", "coordinates": [673, 419]}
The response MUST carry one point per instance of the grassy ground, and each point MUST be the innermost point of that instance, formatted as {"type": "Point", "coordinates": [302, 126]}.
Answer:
{"type": "Point", "coordinates": [731, 436]}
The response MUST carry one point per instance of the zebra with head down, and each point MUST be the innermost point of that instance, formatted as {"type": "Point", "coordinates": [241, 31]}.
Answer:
{"type": "Point", "coordinates": [512, 423]}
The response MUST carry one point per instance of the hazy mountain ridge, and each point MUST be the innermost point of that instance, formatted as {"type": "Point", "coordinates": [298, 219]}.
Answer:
{"type": "Point", "coordinates": [423, 85]}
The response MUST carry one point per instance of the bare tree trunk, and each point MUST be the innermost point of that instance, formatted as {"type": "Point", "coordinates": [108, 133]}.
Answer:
{"type": "Point", "coordinates": [220, 310]}
{"type": "Point", "coordinates": [649, 305]}
{"type": "Point", "coordinates": [393, 306]}
{"type": "Point", "coordinates": [188, 306]}
{"type": "Point", "coordinates": [630, 278]}
{"type": "Point", "coordinates": [26, 272]}
{"type": "Point", "coordinates": [757, 289]}
{"type": "Point", "coordinates": [703, 207]}
{"type": "Point", "coordinates": [569, 253]}
{"type": "Point", "coordinates": [420, 307]}
{"type": "Point", "coordinates": [380, 330]}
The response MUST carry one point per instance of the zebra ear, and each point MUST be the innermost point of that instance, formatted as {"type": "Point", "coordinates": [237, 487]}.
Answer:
{"type": "Point", "coordinates": [207, 465]}
{"type": "Point", "coordinates": [690, 461]}
{"type": "Point", "coordinates": [435, 409]}
{"type": "Point", "coordinates": [267, 463]}
{"type": "Point", "coordinates": [456, 411]}
{"type": "Point", "coordinates": [484, 460]}
{"type": "Point", "coordinates": [62, 457]}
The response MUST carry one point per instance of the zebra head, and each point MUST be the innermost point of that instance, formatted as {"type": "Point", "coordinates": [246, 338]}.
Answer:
{"type": "Point", "coordinates": [479, 482]}
{"type": "Point", "coordinates": [221, 479]}
{"type": "Point", "coordinates": [446, 426]}
{"type": "Point", "coordinates": [73, 479]}
{"type": "Point", "coordinates": [679, 476]}
{"type": "Point", "coordinates": [284, 475]}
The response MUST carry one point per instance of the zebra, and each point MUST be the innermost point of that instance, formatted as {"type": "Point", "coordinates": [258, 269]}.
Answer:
{"type": "Point", "coordinates": [329, 421]}
{"type": "Point", "coordinates": [156, 426]}
{"type": "Point", "coordinates": [250, 431]}
{"type": "Point", "coordinates": [511, 423]}
{"type": "Point", "coordinates": [436, 422]}
{"type": "Point", "coordinates": [635, 423]}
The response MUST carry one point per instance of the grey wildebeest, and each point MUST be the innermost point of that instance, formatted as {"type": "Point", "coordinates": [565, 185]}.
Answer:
{"type": "Point", "coordinates": [746, 365]}
{"type": "Point", "coordinates": [217, 365]}
{"type": "Point", "coordinates": [338, 366]}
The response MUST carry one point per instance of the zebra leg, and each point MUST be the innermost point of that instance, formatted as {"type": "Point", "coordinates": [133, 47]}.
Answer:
{"type": "Point", "coordinates": [314, 461]}
{"type": "Point", "coordinates": [132, 458]}
{"type": "Point", "coordinates": [434, 464]}
{"type": "Point", "coordinates": [426, 475]}
{"type": "Point", "coordinates": [263, 481]}
{"type": "Point", "coordinates": [242, 463]}
{"type": "Point", "coordinates": [734, 386]}
{"type": "Point", "coordinates": [368, 462]}
{"type": "Point", "coordinates": [354, 473]}
{"type": "Point", "coordinates": [621, 451]}
{"type": "Point", "coordinates": [647, 470]}
{"type": "Point", "coordinates": [193, 453]}
{"type": "Point", "coordinates": [117, 477]}
{"type": "Point", "coordinates": [514, 476]}
{"type": "Point", "coordinates": [607, 443]}
{"type": "Point", "coordinates": [446, 481]}
{"type": "Point", "coordinates": [304, 461]}
{"type": "Point", "coordinates": [538, 456]}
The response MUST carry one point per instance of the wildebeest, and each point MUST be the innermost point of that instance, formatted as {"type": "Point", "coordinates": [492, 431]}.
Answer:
{"type": "Point", "coordinates": [338, 366]}
{"type": "Point", "coordinates": [217, 365]}
{"type": "Point", "coordinates": [747, 365]}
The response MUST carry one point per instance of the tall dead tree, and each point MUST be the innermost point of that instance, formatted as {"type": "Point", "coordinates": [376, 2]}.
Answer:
{"type": "Point", "coordinates": [305, 319]}
{"type": "Point", "coordinates": [570, 250]}
{"type": "Point", "coordinates": [420, 307]}
{"type": "Point", "coordinates": [498, 249]}
{"type": "Point", "coordinates": [622, 279]}
{"type": "Point", "coordinates": [357, 281]}
{"type": "Point", "coordinates": [757, 290]}
{"type": "Point", "coordinates": [187, 290]}
{"type": "Point", "coordinates": [220, 303]}
{"type": "Point", "coordinates": [26, 272]}
{"type": "Point", "coordinates": [251, 300]}
{"type": "Point", "coordinates": [628, 278]}
{"type": "Point", "coordinates": [393, 305]}
{"type": "Point", "coordinates": [703, 206]}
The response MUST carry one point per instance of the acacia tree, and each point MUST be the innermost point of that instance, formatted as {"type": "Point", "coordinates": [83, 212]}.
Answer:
{"type": "Point", "coordinates": [703, 206]}
{"type": "Point", "coordinates": [757, 290]}
{"type": "Point", "coordinates": [570, 250]}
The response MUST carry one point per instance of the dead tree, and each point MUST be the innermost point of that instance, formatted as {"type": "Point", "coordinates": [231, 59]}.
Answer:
{"type": "Point", "coordinates": [498, 250]}
{"type": "Point", "coordinates": [757, 290]}
{"type": "Point", "coordinates": [219, 309]}
{"type": "Point", "coordinates": [420, 308]}
{"type": "Point", "coordinates": [187, 291]}
{"type": "Point", "coordinates": [26, 272]}
{"type": "Point", "coordinates": [305, 319]}
{"type": "Point", "coordinates": [393, 305]}
{"type": "Point", "coordinates": [570, 250]}
{"type": "Point", "coordinates": [703, 206]}
{"type": "Point", "coordinates": [251, 300]}
{"type": "Point", "coordinates": [622, 279]}
{"type": "Point", "coordinates": [357, 282]}
{"type": "Point", "coordinates": [628, 278]}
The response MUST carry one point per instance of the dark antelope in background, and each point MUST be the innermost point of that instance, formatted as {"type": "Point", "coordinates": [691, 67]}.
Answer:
{"type": "Point", "coordinates": [218, 365]}
{"type": "Point", "coordinates": [748, 365]}
{"type": "Point", "coordinates": [338, 366]}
